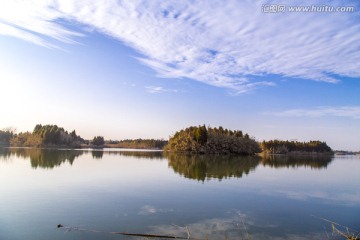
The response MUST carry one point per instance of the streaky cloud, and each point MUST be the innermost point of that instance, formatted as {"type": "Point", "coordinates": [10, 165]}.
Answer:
{"type": "Point", "coordinates": [159, 89]}
{"type": "Point", "coordinates": [342, 111]}
{"type": "Point", "coordinates": [229, 44]}
{"type": "Point", "coordinates": [35, 21]}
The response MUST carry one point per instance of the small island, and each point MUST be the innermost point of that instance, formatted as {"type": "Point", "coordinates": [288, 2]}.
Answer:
{"type": "Point", "coordinates": [207, 140]}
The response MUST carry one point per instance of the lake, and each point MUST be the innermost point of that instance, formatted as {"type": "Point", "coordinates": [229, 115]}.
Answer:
{"type": "Point", "coordinates": [94, 193]}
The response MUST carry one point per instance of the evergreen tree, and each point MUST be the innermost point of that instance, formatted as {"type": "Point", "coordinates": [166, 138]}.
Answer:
{"type": "Point", "coordinates": [98, 141]}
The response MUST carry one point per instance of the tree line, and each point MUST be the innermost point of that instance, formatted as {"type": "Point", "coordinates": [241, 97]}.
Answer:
{"type": "Point", "coordinates": [138, 143]}
{"type": "Point", "coordinates": [281, 147]}
{"type": "Point", "coordinates": [55, 136]}
{"type": "Point", "coordinates": [194, 139]}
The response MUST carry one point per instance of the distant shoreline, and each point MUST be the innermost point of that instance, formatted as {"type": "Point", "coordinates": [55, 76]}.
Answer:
{"type": "Point", "coordinates": [194, 139]}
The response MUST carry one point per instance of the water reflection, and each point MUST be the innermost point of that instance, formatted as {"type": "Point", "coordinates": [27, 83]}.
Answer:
{"type": "Point", "coordinates": [50, 158]}
{"type": "Point", "coordinates": [43, 158]}
{"type": "Point", "coordinates": [128, 191]}
{"type": "Point", "coordinates": [153, 155]}
{"type": "Point", "coordinates": [97, 154]}
{"type": "Point", "coordinates": [5, 154]}
{"type": "Point", "coordinates": [240, 225]}
{"type": "Point", "coordinates": [203, 167]}
{"type": "Point", "coordinates": [290, 161]}
{"type": "Point", "coordinates": [199, 167]}
{"type": "Point", "coordinates": [231, 227]}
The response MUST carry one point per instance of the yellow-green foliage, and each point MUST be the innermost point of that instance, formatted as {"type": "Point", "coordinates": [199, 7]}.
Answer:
{"type": "Point", "coordinates": [46, 135]}
{"type": "Point", "coordinates": [26, 140]}
{"type": "Point", "coordinates": [203, 139]}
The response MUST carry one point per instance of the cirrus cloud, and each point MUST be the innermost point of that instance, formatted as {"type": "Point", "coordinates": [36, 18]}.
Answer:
{"type": "Point", "coordinates": [159, 89]}
{"type": "Point", "coordinates": [342, 111]}
{"type": "Point", "coordinates": [230, 44]}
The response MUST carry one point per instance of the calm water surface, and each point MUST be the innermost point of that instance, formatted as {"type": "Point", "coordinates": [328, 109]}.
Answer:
{"type": "Point", "coordinates": [148, 192]}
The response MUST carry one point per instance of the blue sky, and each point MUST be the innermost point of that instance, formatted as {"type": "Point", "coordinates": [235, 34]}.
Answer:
{"type": "Point", "coordinates": [145, 69]}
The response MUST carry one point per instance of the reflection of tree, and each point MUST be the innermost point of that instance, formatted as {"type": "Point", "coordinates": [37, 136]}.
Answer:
{"type": "Point", "coordinates": [137, 154]}
{"type": "Point", "coordinates": [43, 158]}
{"type": "Point", "coordinates": [295, 161]}
{"type": "Point", "coordinates": [49, 158]}
{"type": "Point", "coordinates": [202, 167]}
{"type": "Point", "coordinates": [4, 154]}
{"type": "Point", "coordinates": [97, 154]}
{"type": "Point", "coordinates": [52, 158]}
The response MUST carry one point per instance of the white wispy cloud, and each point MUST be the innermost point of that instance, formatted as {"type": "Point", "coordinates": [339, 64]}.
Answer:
{"type": "Point", "coordinates": [230, 44]}
{"type": "Point", "coordinates": [34, 21]}
{"type": "Point", "coordinates": [159, 89]}
{"type": "Point", "coordinates": [343, 111]}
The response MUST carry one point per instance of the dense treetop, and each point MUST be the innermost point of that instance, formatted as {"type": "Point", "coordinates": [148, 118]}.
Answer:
{"type": "Point", "coordinates": [203, 139]}
{"type": "Point", "coordinates": [98, 141]}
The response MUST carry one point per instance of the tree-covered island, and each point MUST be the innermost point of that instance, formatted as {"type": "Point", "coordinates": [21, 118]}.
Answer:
{"type": "Point", "coordinates": [210, 140]}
